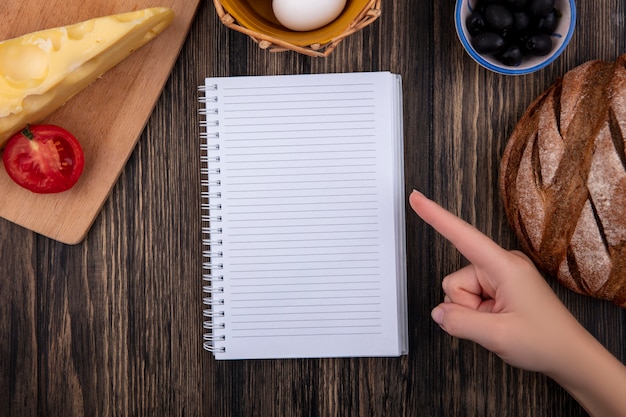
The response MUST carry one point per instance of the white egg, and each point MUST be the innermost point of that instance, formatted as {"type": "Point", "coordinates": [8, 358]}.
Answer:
{"type": "Point", "coordinates": [303, 15]}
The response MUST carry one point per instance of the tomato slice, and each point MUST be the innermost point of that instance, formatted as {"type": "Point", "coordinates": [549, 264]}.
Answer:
{"type": "Point", "coordinates": [44, 159]}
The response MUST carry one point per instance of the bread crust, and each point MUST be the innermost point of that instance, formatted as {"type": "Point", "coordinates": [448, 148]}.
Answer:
{"type": "Point", "coordinates": [563, 180]}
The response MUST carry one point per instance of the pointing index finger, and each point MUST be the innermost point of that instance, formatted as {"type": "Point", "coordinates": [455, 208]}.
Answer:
{"type": "Point", "coordinates": [474, 245]}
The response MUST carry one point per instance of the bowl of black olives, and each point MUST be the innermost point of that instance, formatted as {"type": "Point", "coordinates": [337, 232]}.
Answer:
{"type": "Point", "coordinates": [515, 37]}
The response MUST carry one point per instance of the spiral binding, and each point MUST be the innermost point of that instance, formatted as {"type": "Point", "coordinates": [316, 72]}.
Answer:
{"type": "Point", "coordinates": [210, 208]}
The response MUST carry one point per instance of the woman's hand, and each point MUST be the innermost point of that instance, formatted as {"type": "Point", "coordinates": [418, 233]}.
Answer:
{"type": "Point", "coordinates": [503, 303]}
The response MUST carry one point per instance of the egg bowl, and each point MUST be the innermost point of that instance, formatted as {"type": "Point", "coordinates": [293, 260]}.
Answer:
{"type": "Point", "coordinates": [256, 19]}
{"type": "Point", "coordinates": [560, 39]}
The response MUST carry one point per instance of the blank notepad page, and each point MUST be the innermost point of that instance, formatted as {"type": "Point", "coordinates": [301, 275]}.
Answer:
{"type": "Point", "coordinates": [306, 203]}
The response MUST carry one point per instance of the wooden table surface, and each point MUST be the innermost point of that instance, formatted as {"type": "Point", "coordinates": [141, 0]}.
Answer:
{"type": "Point", "coordinates": [113, 326]}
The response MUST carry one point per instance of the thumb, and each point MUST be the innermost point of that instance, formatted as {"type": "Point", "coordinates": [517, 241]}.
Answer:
{"type": "Point", "coordinates": [466, 323]}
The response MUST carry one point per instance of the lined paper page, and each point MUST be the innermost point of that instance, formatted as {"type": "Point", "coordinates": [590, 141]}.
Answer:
{"type": "Point", "coordinates": [306, 173]}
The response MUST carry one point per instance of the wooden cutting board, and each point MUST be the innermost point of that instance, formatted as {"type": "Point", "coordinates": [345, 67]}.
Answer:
{"type": "Point", "coordinates": [107, 117]}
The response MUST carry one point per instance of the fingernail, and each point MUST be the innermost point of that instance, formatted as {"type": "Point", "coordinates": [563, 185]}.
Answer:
{"type": "Point", "coordinates": [417, 192]}
{"type": "Point", "coordinates": [437, 315]}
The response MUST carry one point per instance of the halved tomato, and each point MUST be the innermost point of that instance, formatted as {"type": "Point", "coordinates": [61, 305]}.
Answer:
{"type": "Point", "coordinates": [44, 159]}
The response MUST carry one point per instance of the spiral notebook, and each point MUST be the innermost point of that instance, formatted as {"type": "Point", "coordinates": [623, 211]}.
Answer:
{"type": "Point", "coordinates": [303, 216]}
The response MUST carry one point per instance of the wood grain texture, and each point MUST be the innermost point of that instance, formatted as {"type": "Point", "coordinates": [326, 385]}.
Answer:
{"type": "Point", "coordinates": [112, 326]}
{"type": "Point", "coordinates": [107, 117]}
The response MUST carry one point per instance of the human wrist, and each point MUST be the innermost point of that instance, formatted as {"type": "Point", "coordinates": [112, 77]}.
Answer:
{"type": "Point", "coordinates": [594, 377]}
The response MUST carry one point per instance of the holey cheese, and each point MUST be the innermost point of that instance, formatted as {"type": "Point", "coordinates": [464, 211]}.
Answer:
{"type": "Point", "coordinates": [41, 71]}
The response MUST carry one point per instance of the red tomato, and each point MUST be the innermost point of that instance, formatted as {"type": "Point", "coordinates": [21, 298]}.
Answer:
{"type": "Point", "coordinates": [44, 159]}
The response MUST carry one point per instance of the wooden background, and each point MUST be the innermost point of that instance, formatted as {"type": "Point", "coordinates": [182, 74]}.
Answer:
{"type": "Point", "coordinates": [112, 326]}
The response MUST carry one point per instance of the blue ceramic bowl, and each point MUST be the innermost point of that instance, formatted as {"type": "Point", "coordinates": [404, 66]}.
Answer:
{"type": "Point", "coordinates": [561, 38]}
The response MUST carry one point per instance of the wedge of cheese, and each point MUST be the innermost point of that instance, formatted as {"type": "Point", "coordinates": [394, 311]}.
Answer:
{"type": "Point", "coordinates": [41, 71]}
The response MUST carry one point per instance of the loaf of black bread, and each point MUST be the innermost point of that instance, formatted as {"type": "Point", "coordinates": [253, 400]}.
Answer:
{"type": "Point", "coordinates": [563, 180]}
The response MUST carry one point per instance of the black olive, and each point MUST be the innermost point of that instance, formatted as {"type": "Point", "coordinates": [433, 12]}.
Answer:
{"type": "Point", "coordinates": [521, 21]}
{"type": "Point", "coordinates": [498, 17]}
{"type": "Point", "coordinates": [485, 3]}
{"type": "Point", "coordinates": [516, 4]}
{"type": "Point", "coordinates": [541, 8]}
{"type": "Point", "coordinates": [481, 5]}
{"type": "Point", "coordinates": [538, 45]}
{"type": "Point", "coordinates": [512, 57]}
{"type": "Point", "coordinates": [488, 43]}
{"type": "Point", "coordinates": [475, 23]}
{"type": "Point", "coordinates": [548, 23]}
